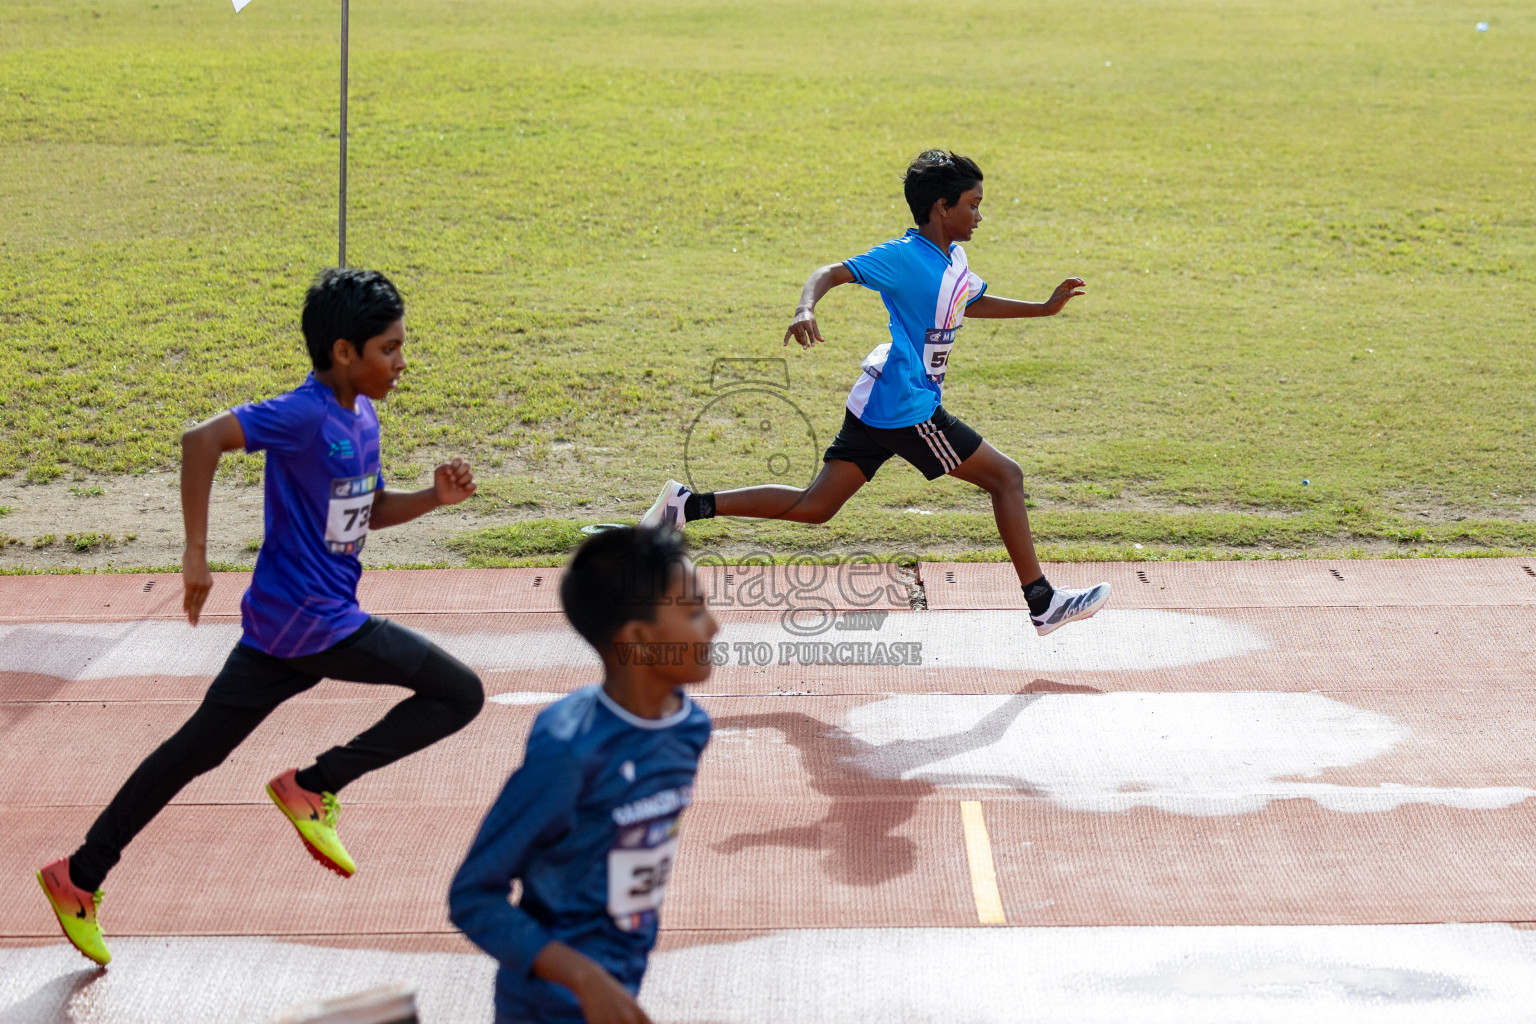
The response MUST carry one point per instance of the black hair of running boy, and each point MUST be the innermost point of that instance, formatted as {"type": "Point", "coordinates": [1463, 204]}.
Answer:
{"type": "Point", "coordinates": [619, 576]}
{"type": "Point", "coordinates": [937, 174]}
{"type": "Point", "coordinates": [616, 576]}
{"type": "Point", "coordinates": [347, 303]}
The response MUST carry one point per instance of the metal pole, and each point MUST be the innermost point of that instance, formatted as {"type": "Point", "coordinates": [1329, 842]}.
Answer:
{"type": "Point", "coordinates": [341, 216]}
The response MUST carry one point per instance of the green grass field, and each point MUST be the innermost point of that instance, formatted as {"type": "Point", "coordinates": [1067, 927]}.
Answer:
{"type": "Point", "coordinates": [1307, 228]}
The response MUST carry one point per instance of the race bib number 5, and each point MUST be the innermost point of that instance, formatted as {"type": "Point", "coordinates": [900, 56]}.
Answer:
{"type": "Point", "coordinates": [936, 348]}
{"type": "Point", "coordinates": [346, 520]}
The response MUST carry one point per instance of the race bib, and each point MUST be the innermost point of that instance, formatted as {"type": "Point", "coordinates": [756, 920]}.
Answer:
{"type": "Point", "coordinates": [346, 520]}
{"type": "Point", "coordinates": [637, 879]}
{"type": "Point", "coordinates": [638, 868]}
{"type": "Point", "coordinates": [936, 352]}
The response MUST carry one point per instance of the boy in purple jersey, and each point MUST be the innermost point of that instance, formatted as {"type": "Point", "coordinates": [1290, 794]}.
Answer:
{"type": "Point", "coordinates": [893, 408]}
{"type": "Point", "coordinates": [301, 620]}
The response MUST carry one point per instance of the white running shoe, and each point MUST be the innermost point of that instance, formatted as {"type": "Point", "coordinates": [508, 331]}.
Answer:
{"type": "Point", "coordinates": [668, 507]}
{"type": "Point", "coordinates": [1069, 606]}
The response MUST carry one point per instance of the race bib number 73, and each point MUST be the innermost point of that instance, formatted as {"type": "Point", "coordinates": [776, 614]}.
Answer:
{"type": "Point", "coordinates": [346, 520]}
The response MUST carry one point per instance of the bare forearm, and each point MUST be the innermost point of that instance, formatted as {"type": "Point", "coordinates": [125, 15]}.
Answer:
{"type": "Point", "coordinates": [997, 308]}
{"type": "Point", "coordinates": [452, 482]}
{"type": "Point", "coordinates": [802, 328]}
{"type": "Point", "coordinates": [562, 965]}
{"type": "Point", "coordinates": [993, 307]}
{"type": "Point", "coordinates": [200, 450]}
{"type": "Point", "coordinates": [603, 1000]}
{"type": "Point", "coordinates": [199, 461]}
{"type": "Point", "coordinates": [818, 284]}
{"type": "Point", "coordinates": [391, 508]}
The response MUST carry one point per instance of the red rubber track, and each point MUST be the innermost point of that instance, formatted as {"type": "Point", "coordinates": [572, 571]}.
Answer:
{"type": "Point", "coordinates": [797, 824]}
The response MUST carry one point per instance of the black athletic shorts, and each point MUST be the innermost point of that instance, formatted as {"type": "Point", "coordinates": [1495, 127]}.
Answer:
{"type": "Point", "coordinates": [379, 652]}
{"type": "Point", "coordinates": [935, 446]}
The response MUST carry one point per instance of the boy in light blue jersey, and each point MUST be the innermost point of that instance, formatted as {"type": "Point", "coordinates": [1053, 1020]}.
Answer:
{"type": "Point", "coordinates": [589, 823]}
{"type": "Point", "coordinates": [893, 408]}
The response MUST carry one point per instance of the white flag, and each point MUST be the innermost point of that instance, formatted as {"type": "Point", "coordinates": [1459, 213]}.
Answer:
{"type": "Point", "coordinates": [240, 5]}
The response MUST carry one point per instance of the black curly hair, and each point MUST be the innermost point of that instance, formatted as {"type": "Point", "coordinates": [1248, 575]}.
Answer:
{"type": "Point", "coordinates": [937, 174]}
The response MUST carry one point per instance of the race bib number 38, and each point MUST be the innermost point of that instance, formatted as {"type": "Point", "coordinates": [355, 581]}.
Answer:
{"type": "Point", "coordinates": [638, 869]}
{"type": "Point", "coordinates": [346, 520]}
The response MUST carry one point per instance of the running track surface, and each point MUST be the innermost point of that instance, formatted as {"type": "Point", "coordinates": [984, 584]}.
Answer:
{"type": "Point", "coordinates": [1260, 791]}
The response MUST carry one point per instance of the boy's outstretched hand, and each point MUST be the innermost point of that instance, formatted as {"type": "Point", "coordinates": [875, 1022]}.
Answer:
{"type": "Point", "coordinates": [1069, 289]}
{"type": "Point", "coordinates": [804, 330]}
{"type": "Point", "coordinates": [453, 481]}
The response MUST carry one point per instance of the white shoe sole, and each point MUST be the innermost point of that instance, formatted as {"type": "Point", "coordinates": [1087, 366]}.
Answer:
{"type": "Point", "coordinates": [1087, 613]}
{"type": "Point", "coordinates": [656, 515]}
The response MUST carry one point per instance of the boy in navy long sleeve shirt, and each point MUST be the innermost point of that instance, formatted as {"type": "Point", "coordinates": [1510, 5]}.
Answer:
{"type": "Point", "coordinates": [589, 823]}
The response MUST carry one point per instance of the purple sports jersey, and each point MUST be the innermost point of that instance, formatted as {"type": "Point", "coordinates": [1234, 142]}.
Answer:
{"type": "Point", "coordinates": [322, 477]}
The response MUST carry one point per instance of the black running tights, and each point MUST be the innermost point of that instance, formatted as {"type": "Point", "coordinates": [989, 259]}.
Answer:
{"type": "Point", "coordinates": [448, 695]}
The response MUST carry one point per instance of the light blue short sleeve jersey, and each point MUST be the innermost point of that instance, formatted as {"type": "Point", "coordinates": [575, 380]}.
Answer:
{"type": "Point", "coordinates": [322, 477]}
{"type": "Point", "coordinates": [926, 293]}
{"type": "Point", "coordinates": [589, 825]}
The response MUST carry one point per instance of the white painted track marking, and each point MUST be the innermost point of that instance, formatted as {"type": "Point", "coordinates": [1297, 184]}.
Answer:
{"type": "Point", "coordinates": [1186, 753]}
{"type": "Point", "coordinates": [1395, 974]}
{"type": "Point", "coordinates": [200, 980]}
{"type": "Point", "coordinates": [1112, 641]}
{"type": "Point", "coordinates": [517, 697]}
{"type": "Point", "coordinates": [1385, 974]}
{"type": "Point", "coordinates": [102, 650]}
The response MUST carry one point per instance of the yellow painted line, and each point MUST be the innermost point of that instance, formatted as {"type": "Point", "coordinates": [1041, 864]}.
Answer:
{"type": "Point", "coordinates": [978, 850]}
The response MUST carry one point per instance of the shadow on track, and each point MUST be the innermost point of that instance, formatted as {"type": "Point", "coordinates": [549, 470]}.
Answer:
{"type": "Point", "coordinates": [856, 837]}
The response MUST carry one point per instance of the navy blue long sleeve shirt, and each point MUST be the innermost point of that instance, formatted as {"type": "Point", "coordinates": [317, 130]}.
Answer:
{"type": "Point", "coordinates": [588, 824]}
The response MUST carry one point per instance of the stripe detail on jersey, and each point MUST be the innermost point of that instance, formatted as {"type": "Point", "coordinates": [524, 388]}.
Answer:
{"type": "Point", "coordinates": [939, 445]}
{"type": "Point", "coordinates": [954, 289]}
{"type": "Point", "coordinates": [958, 303]}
